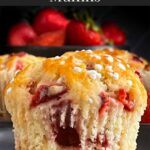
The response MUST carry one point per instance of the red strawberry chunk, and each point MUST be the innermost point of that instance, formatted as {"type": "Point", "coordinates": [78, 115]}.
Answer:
{"type": "Point", "coordinates": [19, 65]}
{"type": "Point", "coordinates": [105, 103]}
{"type": "Point", "coordinates": [139, 75]}
{"type": "Point", "coordinates": [138, 59]}
{"type": "Point", "coordinates": [42, 95]}
{"type": "Point", "coordinates": [102, 139]}
{"type": "Point", "coordinates": [68, 137]}
{"type": "Point", "coordinates": [123, 97]}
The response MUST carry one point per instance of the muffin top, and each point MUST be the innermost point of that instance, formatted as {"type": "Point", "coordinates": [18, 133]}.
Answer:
{"type": "Point", "coordinates": [136, 62]}
{"type": "Point", "coordinates": [84, 76]}
{"type": "Point", "coordinates": [17, 61]}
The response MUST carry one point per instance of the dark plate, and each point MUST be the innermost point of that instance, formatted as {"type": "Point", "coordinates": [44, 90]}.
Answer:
{"type": "Point", "coordinates": [52, 51]}
{"type": "Point", "coordinates": [7, 141]}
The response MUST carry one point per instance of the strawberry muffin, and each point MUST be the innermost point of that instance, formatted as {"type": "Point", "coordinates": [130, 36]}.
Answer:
{"type": "Point", "coordinates": [10, 65]}
{"type": "Point", "coordinates": [78, 102]}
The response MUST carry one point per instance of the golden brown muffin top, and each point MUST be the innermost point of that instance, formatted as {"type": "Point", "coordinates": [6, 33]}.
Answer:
{"type": "Point", "coordinates": [136, 62]}
{"type": "Point", "coordinates": [85, 74]}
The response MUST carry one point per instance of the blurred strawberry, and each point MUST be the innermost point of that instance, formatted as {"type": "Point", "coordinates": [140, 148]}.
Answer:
{"type": "Point", "coordinates": [81, 33]}
{"type": "Point", "coordinates": [21, 34]}
{"type": "Point", "coordinates": [56, 38]}
{"type": "Point", "coordinates": [114, 33]}
{"type": "Point", "coordinates": [48, 20]}
{"type": "Point", "coordinates": [146, 116]}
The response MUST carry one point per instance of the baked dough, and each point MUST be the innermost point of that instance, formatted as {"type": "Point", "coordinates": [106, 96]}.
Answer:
{"type": "Point", "coordinates": [10, 65]}
{"type": "Point", "coordinates": [82, 101]}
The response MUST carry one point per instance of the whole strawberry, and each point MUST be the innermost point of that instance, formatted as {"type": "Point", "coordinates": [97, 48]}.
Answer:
{"type": "Point", "coordinates": [48, 20]}
{"type": "Point", "coordinates": [80, 33]}
{"type": "Point", "coordinates": [114, 33]}
{"type": "Point", "coordinates": [21, 34]}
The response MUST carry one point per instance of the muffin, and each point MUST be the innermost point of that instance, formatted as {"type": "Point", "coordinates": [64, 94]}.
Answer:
{"type": "Point", "coordinates": [3, 60]}
{"type": "Point", "coordinates": [80, 102]}
{"type": "Point", "coordinates": [10, 65]}
{"type": "Point", "coordinates": [139, 65]}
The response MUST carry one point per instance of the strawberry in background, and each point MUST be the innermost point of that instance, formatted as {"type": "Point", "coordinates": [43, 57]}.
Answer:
{"type": "Point", "coordinates": [82, 30]}
{"type": "Point", "coordinates": [56, 38]}
{"type": "Point", "coordinates": [114, 33]}
{"type": "Point", "coordinates": [21, 34]}
{"type": "Point", "coordinates": [48, 20]}
{"type": "Point", "coordinates": [79, 34]}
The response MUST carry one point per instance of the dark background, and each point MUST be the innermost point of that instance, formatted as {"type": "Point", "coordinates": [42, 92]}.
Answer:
{"type": "Point", "coordinates": [135, 21]}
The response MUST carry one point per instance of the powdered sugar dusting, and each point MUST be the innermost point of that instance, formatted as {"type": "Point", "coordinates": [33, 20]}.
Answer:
{"type": "Point", "coordinates": [62, 62]}
{"type": "Point", "coordinates": [114, 75]}
{"type": "Point", "coordinates": [129, 82]}
{"type": "Point", "coordinates": [97, 57]}
{"type": "Point", "coordinates": [111, 49]}
{"type": "Point", "coordinates": [94, 74]}
{"type": "Point", "coordinates": [12, 80]}
{"type": "Point", "coordinates": [89, 51]}
{"type": "Point", "coordinates": [121, 66]}
{"type": "Point", "coordinates": [77, 69]}
{"type": "Point", "coordinates": [109, 58]}
{"type": "Point", "coordinates": [17, 72]}
{"type": "Point", "coordinates": [90, 100]}
{"type": "Point", "coordinates": [77, 51]}
{"type": "Point", "coordinates": [56, 57]}
{"type": "Point", "coordinates": [9, 90]}
{"type": "Point", "coordinates": [98, 67]}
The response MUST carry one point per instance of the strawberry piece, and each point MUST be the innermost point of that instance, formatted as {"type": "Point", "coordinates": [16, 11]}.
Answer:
{"type": "Point", "coordinates": [21, 34]}
{"type": "Point", "coordinates": [56, 38]}
{"type": "Point", "coordinates": [19, 65]}
{"type": "Point", "coordinates": [42, 95]}
{"type": "Point", "coordinates": [114, 33]}
{"type": "Point", "coordinates": [105, 103]}
{"type": "Point", "coordinates": [79, 34]}
{"type": "Point", "coordinates": [68, 137]}
{"type": "Point", "coordinates": [139, 75]}
{"type": "Point", "coordinates": [123, 97]}
{"type": "Point", "coordinates": [138, 59]}
{"type": "Point", "coordinates": [48, 20]}
{"type": "Point", "coordinates": [146, 116]}
{"type": "Point", "coordinates": [103, 139]}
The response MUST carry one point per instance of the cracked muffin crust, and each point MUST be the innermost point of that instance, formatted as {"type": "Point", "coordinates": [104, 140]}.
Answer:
{"type": "Point", "coordinates": [79, 102]}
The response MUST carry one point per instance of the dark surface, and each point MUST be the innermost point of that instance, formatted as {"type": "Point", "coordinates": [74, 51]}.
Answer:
{"type": "Point", "coordinates": [7, 141]}
{"type": "Point", "coordinates": [51, 51]}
